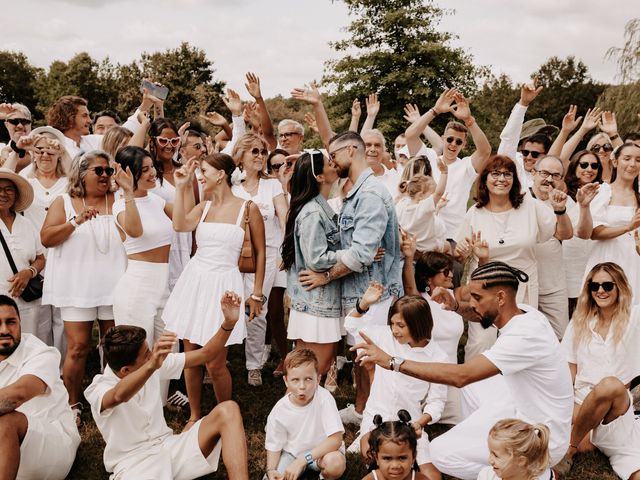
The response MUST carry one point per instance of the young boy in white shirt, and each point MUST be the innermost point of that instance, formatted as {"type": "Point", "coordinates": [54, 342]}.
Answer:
{"type": "Point", "coordinates": [126, 405]}
{"type": "Point", "coordinates": [304, 430]}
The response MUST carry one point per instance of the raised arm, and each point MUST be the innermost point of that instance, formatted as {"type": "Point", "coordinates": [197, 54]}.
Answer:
{"type": "Point", "coordinates": [128, 220]}
{"type": "Point", "coordinates": [442, 183]}
{"type": "Point", "coordinates": [510, 135]}
{"type": "Point", "coordinates": [253, 87]}
{"type": "Point", "coordinates": [356, 111]}
{"type": "Point", "coordinates": [564, 229]}
{"type": "Point", "coordinates": [185, 219]}
{"type": "Point", "coordinates": [311, 95]}
{"type": "Point", "coordinates": [373, 108]}
{"type": "Point", "coordinates": [569, 123]}
{"type": "Point", "coordinates": [218, 120]}
{"type": "Point", "coordinates": [584, 196]}
{"type": "Point", "coordinates": [591, 121]}
{"type": "Point", "coordinates": [140, 135]}
{"type": "Point", "coordinates": [609, 126]}
{"type": "Point", "coordinates": [234, 104]}
{"type": "Point", "coordinates": [462, 112]}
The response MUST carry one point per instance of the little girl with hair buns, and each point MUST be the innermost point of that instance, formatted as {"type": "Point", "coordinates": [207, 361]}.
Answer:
{"type": "Point", "coordinates": [518, 451]}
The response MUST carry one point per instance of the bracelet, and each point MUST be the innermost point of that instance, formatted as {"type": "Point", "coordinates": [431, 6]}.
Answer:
{"type": "Point", "coordinates": [561, 212]}
{"type": "Point", "coordinates": [73, 222]}
{"type": "Point", "coordinates": [470, 121]}
{"type": "Point", "coordinates": [34, 271]}
{"type": "Point", "coordinates": [359, 309]}
{"type": "Point", "coordinates": [435, 114]}
{"type": "Point", "coordinates": [327, 276]}
{"type": "Point", "coordinates": [226, 329]}
{"type": "Point", "coordinates": [614, 137]}
{"type": "Point", "coordinates": [129, 200]}
{"type": "Point", "coordinates": [20, 151]}
{"type": "Point", "coordinates": [257, 298]}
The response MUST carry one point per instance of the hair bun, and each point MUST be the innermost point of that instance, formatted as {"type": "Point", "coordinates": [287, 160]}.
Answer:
{"type": "Point", "coordinates": [404, 416]}
{"type": "Point", "coordinates": [377, 420]}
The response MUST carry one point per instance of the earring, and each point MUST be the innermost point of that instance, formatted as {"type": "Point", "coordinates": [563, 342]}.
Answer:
{"type": "Point", "coordinates": [219, 181]}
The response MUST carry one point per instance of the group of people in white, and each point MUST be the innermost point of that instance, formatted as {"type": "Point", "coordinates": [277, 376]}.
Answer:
{"type": "Point", "coordinates": [180, 244]}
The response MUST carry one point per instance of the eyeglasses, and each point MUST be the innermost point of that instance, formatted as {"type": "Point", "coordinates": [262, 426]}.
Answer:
{"type": "Point", "coordinates": [530, 153]}
{"type": "Point", "coordinates": [19, 121]}
{"type": "Point", "coordinates": [496, 174]}
{"type": "Point", "coordinates": [198, 146]}
{"type": "Point", "coordinates": [458, 141]}
{"type": "Point", "coordinates": [164, 141]}
{"type": "Point", "coordinates": [100, 171]}
{"type": "Point", "coordinates": [606, 286]}
{"type": "Point", "coordinates": [607, 147]}
{"type": "Point", "coordinates": [257, 151]}
{"type": "Point", "coordinates": [545, 174]}
{"type": "Point", "coordinates": [284, 135]}
{"type": "Point", "coordinates": [593, 165]}
{"type": "Point", "coordinates": [10, 190]}
{"type": "Point", "coordinates": [445, 271]}
{"type": "Point", "coordinates": [332, 155]}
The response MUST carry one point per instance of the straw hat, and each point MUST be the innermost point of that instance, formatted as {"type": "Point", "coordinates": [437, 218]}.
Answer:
{"type": "Point", "coordinates": [24, 197]}
{"type": "Point", "coordinates": [537, 125]}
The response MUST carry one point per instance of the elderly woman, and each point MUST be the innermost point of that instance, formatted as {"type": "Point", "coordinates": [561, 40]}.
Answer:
{"type": "Point", "coordinates": [601, 344]}
{"type": "Point", "coordinates": [250, 154]}
{"type": "Point", "coordinates": [86, 260]}
{"type": "Point", "coordinates": [23, 245]}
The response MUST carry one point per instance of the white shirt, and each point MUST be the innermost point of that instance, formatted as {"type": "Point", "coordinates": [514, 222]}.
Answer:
{"type": "Point", "coordinates": [33, 357]}
{"type": "Point", "coordinates": [42, 200]}
{"type": "Point", "coordinates": [448, 327]}
{"type": "Point", "coordinates": [24, 245]}
{"type": "Point", "coordinates": [536, 372]}
{"type": "Point", "coordinates": [509, 140]}
{"type": "Point", "coordinates": [575, 253]}
{"type": "Point", "coordinates": [296, 429]}
{"type": "Point", "coordinates": [419, 219]}
{"type": "Point", "coordinates": [134, 429]}
{"type": "Point", "coordinates": [551, 278]}
{"type": "Point", "coordinates": [597, 358]}
{"type": "Point", "coordinates": [392, 391]}
{"type": "Point", "coordinates": [390, 179]}
{"type": "Point", "coordinates": [156, 225]}
{"type": "Point", "coordinates": [268, 190]}
{"type": "Point", "coordinates": [94, 141]}
{"type": "Point", "coordinates": [487, 473]}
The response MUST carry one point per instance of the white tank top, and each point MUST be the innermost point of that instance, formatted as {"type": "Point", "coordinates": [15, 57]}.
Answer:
{"type": "Point", "coordinates": [413, 475]}
{"type": "Point", "coordinates": [157, 228]}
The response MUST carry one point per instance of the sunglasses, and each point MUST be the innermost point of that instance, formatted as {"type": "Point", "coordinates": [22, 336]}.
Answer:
{"type": "Point", "coordinates": [100, 171]}
{"type": "Point", "coordinates": [278, 166]}
{"type": "Point", "coordinates": [19, 121]}
{"type": "Point", "coordinates": [257, 151]}
{"type": "Point", "coordinates": [496, 174]}
{"type": "Point", "coordinates": [607, 147]}
{"type": "Point", "coordinates": [163, 141]}
{"type": "Point", "coordinates": [606, 286]}
{"type": "Point", "coordinates": [445, 271]}
{"type": "Point", "coordinates": [594, 165]}
{"type": "Point", "coordinates": [454, 139]}
{"type": "Point", "coordinates": [530, 153]}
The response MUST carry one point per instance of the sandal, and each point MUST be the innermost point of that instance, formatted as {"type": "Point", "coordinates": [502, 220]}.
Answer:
{"type": "Point", "coordinates": [279, 371]}
{"type": "Point", "coordinates": [331, 382]}
{"type": "Point", "coordinates": [76, 408]}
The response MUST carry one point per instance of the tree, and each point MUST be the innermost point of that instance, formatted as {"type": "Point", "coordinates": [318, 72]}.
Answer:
{"type": "Point", "coordinates": [17, 79]}
{"type": "Point", "coordinates": [492, 105]}
{"type": "Point", "coordinates": [399, 55]}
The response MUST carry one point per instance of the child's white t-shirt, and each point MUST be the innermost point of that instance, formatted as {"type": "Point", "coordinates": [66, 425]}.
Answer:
{"type": "Point", "coordinates": [419, 219]}
{"type": "Point", "coordinates": [487, 473]}
{"type": "Point", "coordinates": [297, 429]}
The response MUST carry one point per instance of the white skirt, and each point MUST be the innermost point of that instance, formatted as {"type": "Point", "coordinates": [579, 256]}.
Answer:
{"type": "Point", "coordinates": [313, 329]}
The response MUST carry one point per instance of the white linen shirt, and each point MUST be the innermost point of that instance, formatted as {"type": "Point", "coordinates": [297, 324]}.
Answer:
{"type": "Point", "coordinates": [551, 278]}
{"type": "Point", "coordinates": [509, 140]}
{"type": "Point", "coordinates": [420, 219]}
{"type": "Point", "coordinates": [135, 429]}
{"type": "Point", "coordinates": [24, 244]}
{"type": "Point", "coordinates": [598, 358]}
{"type": "Point", "coordinates": [448, 327]}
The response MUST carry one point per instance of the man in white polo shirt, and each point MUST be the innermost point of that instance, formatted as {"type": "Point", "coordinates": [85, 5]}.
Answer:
{"type": "Point", "coordinates": [39, 436]}
{"type": "Point", "coordinates": [527, 354]}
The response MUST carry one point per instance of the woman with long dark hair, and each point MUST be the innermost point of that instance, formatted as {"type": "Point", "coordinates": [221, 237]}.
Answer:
{"type": "Point", "coordinates": [311, 241]}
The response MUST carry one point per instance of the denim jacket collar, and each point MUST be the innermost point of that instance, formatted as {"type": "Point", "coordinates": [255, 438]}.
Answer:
{"type": "Point", "coordinates": [329, 212]}
{"type": "Point", "coordinates": [363, 176]}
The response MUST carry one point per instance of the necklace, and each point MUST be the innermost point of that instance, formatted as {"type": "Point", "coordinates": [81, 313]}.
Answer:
{"type": "Point", "coordinates": [105, 237]}
{"type": "Point", "coordinates": [501, 227]}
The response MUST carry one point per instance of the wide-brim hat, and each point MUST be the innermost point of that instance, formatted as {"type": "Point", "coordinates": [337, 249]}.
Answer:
{"type": "Point", "coordinates": [58, 135]}
{"type": "Point", "coordinates": [25, 191]}
{"type": "Point", "coordinates": [537, 125]}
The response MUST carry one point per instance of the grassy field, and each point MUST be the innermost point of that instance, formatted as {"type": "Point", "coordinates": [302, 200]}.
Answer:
{"type": "Point", "coordinates": [255, 404]}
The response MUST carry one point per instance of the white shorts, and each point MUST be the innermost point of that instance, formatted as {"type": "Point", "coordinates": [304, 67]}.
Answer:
{"type": "Point", "coordinates": [312, 328]}
{"type": "Point", "coordinates": [620, 441]}
{"type": "Point", "coordinates": [47, 450]}
{"type": "Point", "coordinates": [281, 278]}
{"type": "Point", "coordinates": [179, 458]}
{"type": "Point", "coordinates": [89, 314]}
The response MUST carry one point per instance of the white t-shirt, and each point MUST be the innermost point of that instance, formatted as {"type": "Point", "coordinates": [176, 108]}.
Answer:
{"type": "Point", "coordinates": [33, 357]}
{"type": "Point", "coordinates": [24, 244]}
{"type": "Point", "coordinates": [390, 179]}
{"type": "Point", "coordinates": [598, 358]}
{"type": "Point", "coordinates": [550, 266]}
{"type": "Point", "coordinates": [448, 327]}
{"type": "Point", "coordinates": [536, 372]}
{"type": "Point", "coordinates": [575, 253]}
{"type": "Point", "coordinates": [268, 189]}
{"type": "Point", "coordinates": [487, 473]}
{"type": "Point", "coordinates": [296, 429]}
{"type": "Point", "coordinates": [156, 225]}
{"type": "Point", "coordinates": [42, 200]}
{"type": "Point", "coordinates": [459, 183]}
{"type": "Point", "coordinates": [420, 220]}
{"type": "Point", "coordinates": [134, 429]}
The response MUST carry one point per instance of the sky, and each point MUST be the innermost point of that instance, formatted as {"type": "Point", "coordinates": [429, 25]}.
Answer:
{"type": "Point", "coordinates": [287, 41]}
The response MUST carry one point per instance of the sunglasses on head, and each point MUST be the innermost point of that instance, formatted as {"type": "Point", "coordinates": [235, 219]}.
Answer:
{"type": "Point", "coordinates": [164, 141]}
{"type": "Point", "coordinates": [530, 153]}
{"type": "Point", "coordinates": [19, 121]}
{"type": "Point", "coordinates": [607, 147]}
{"type": "Point", "coordinates": [258, 151]}
{"type": "Point", "coordinates": [100, 171]}
{"type": "Point", "coordinates": [606, 286]}
{"type": "Point", "coordinates": [593, 165]}
{"type": "Point", "coordinates": [454, 139]}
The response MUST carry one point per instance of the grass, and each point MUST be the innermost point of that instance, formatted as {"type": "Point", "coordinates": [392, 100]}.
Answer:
{"type": "Point", "coordinates": [256, 404]}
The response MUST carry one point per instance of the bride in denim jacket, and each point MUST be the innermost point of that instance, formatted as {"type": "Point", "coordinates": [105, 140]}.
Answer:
{"type": "Point", "coordinates": [311, 241]}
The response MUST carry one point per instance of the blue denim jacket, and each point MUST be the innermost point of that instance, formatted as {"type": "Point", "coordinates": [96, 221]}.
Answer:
{"type": "Point", "coordinates": [368, 221]}
{"type": "Point", "coordinates": [316, 243]}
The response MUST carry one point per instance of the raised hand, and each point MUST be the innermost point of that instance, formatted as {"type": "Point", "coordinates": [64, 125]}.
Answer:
{"type": "Point", "coordinates": [356, 111]}
{"type": "Point", "coordinates": [587, 193]}
{"type": "Point", "coordinates": [569, 121]}
{"type": "Point", "coordinates": [310, 120]}
{"type": "Point", "coordinates": [252, 116]}
{"type": "Point", "coordinates": [373, 105]}
{"type": "Point", "coordinates": [6, 109]}
{"type": "Point", "coordinates": [233, 102]}
{"type": "Point", "coordinates": [309, 94]}
{"type": "Point", "coordinates": [253, 85]}
{"type": "Point", "coordinates": [461, 109]}
{"type": "Point", "coordinates": [183, 129]}
{"type": "Point", "coordinates": [162, 348]}
{"type": "Point", "coordinates": [558, 200]}
{"type": "Point", "coordinates": [230, 305]}
{"type": "Point", "coordinates": [529, 92]}
{"type": "Point", "coordinates": [464, 249]}
{"type": "Point", "coordinates": [124, 179]}
{"type": "Point", "coordinates": [408, 244]}
{"type": "Point", "coordinates": [591, 119]}
{"type": "Point", "coordinates": [371, 295]}
{"type": "Point", "coordinates": [609, 125]}
{"type": "Point", "coordinates": [215, 118]}
{"type": "Point", "coordinates": [183, 176]}
{"type": "Point", "coordinates": [442, 202]}
{"type": "Point", "coordinates": [143, 117]}
{"type": "Point", "coordinates": [479, 247]}
{"type": "Point", "coordinates": [28, 142]}
{"type": "Point", "coordinates": [284, 175]}
{"type": "Point", "coordinates": [444, 297]}
{"type": "Point", "coordinates": [445, 101]}
{"type": "Point", "coordinates": [411, 113]}
{"type": "Point", "coordinates": [443, 167]}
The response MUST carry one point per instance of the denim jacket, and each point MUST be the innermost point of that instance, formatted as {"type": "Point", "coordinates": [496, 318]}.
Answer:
{"type": "Point", "coordinates": [368, 221]}
{"type": "Point", "coordinates": [316, 243]}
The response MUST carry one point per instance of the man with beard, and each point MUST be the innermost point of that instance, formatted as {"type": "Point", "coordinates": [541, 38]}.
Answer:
{"type": "Point", "coordinates": [534, 385]}
{"type": "Point", "coordinates": [39, 437]}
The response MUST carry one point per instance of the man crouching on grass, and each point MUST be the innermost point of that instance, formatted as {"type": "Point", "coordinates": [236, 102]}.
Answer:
{"type": "Point", "coordinates": [127, 408]}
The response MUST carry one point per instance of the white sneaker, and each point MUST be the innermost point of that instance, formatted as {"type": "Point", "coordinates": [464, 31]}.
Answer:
{"type": "Point", "coordinates": [178, 399]}
{"type": "Point", "coordinates": [255, 378]}
{"type": "Point", "coordinates": [341, 362]}
{"type": "Point", "coordinates": [265, 353]}
{"type": "Point", "coordinates": [355, 446]}
{"type": "Point", "coordinates": [349, 415]}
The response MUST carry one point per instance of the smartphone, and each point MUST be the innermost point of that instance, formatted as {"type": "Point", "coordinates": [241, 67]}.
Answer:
{"type": "Point", "coordinates": [157, 91]}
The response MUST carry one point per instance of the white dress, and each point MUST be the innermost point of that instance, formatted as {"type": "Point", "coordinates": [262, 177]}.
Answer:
{"type": "Point", "coordinates": [193, 310]}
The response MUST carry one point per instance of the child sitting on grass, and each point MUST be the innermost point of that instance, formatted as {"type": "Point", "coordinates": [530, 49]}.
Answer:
{"type": "Point", "coordinates": [304, 430]}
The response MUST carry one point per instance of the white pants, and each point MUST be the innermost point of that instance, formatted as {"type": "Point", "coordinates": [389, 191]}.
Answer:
{"type": "Point", "coordinates": [138, 296]}
{"type": "Point", "coordinates": [555, 307]}
{"type": "Point", "coordinates": [35, 319]}
{"type": "Point", "coordinates": [257, 328]}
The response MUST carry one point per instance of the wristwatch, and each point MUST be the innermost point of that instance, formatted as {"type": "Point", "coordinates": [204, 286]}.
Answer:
{"type": "Point", "coordinates": [309, 458]}
{"type": "Point", "coordinates": [394, 363]}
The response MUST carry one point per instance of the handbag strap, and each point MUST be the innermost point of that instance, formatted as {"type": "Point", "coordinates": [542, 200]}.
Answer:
{"type": "Point", "coordinates": [7, 252]}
